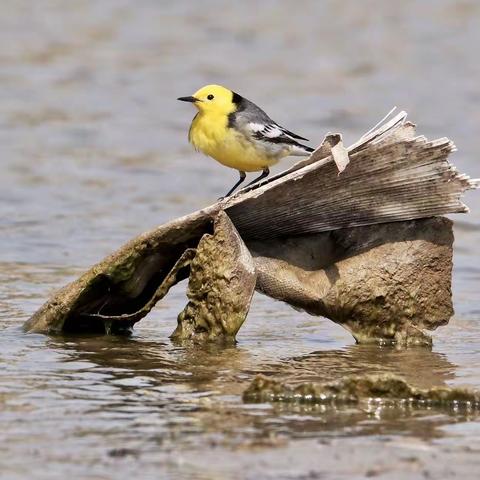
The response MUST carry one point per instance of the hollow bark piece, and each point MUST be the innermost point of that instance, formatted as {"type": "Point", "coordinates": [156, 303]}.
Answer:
{"type": "Point", "coordinates": [170, 279]}
{"type": "Point", "coordinates": [125, 281]}
{"type": "Point", "coordinates": [383, 283]}
{"type": "Point", "coordinates": [390, 389]}
{"type": "Point", "coordinates": [221, 285]}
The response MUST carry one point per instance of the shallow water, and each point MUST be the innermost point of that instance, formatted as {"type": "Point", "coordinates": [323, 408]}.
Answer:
{"type": "Point", "coordinates": [93, 151]}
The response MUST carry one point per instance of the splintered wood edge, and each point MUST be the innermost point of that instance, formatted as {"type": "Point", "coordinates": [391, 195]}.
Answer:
{"type": "Point", "coordinates": [397, 129]}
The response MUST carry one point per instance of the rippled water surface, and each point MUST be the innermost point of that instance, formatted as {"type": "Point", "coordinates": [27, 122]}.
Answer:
{"type": "Point", "coordinates": [93, 151]}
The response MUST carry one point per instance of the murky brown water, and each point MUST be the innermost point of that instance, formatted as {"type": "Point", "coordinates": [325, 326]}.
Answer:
{"type": "Point", "coordinates": [93, 151]}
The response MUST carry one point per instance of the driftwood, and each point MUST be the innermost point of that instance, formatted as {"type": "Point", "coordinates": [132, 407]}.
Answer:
{"type": "Point", "coordinates": [293, 238]}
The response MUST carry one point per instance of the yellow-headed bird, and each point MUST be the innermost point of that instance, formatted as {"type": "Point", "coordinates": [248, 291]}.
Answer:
{"type": "Point", "coordinates": [238, 134]}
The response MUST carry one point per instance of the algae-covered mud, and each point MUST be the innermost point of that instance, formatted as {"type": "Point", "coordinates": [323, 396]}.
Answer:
{"type": "Point", "coordinates": [93, 151]}
{"type": "Point", "coordinates": [383, 389]}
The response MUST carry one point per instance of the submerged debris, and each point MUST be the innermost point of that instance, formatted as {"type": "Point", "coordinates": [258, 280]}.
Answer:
{"type": "Point", "coordinates": [386, 388]}
{"type": "Point", "coordinates": [345, 233]}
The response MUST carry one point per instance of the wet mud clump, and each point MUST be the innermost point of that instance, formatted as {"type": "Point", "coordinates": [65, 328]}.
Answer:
{"type": "Point", "coordinates": [221, 285]}
{"type": "Point", "coordinates": [383, 389]}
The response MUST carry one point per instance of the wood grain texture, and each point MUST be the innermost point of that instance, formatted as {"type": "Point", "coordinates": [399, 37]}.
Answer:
{"type": "Point", "coordinates": [392, 176]}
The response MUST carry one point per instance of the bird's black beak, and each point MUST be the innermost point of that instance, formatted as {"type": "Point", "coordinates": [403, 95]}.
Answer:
{"type": "Point", "coordinates": [188, 99]}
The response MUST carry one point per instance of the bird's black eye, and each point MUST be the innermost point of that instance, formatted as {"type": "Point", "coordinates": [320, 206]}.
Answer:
{"type": "Point", "coordinates": [210, 97]}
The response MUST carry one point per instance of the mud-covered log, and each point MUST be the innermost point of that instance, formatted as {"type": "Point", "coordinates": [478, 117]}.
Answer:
{"type": "Point", "coordinates": [386, 279]}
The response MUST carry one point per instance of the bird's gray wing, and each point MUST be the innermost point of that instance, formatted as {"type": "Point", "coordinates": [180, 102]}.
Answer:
{"type": "Point", "coordinates": [273, 133]}
{"type": "Point", "coordinates": [254, 122]}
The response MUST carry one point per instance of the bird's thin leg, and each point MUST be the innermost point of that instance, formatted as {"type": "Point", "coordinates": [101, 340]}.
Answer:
{"type": "Point", "coordinates": [242, 178]}
{"type": "Point", "coordinates": [265, 173]}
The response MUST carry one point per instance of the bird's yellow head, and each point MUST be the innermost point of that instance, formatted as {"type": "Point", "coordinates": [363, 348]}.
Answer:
{"type": "Point", "coordinates": [213, 99]}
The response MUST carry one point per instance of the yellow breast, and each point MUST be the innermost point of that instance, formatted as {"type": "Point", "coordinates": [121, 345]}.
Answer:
{"type": "Point", "coordinates": [210, 134]}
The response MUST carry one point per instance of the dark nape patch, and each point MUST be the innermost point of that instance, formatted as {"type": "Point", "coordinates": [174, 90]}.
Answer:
{"type": "Point", "coordinates": [236, 98]}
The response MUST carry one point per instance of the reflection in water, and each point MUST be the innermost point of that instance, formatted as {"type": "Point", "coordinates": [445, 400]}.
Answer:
{"type": "Point", "coordinates": [418, 366]}
{"type": "Point", "coordinates": [202, 367]}
{"type": "Point", "coordinates": [203, 384]}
